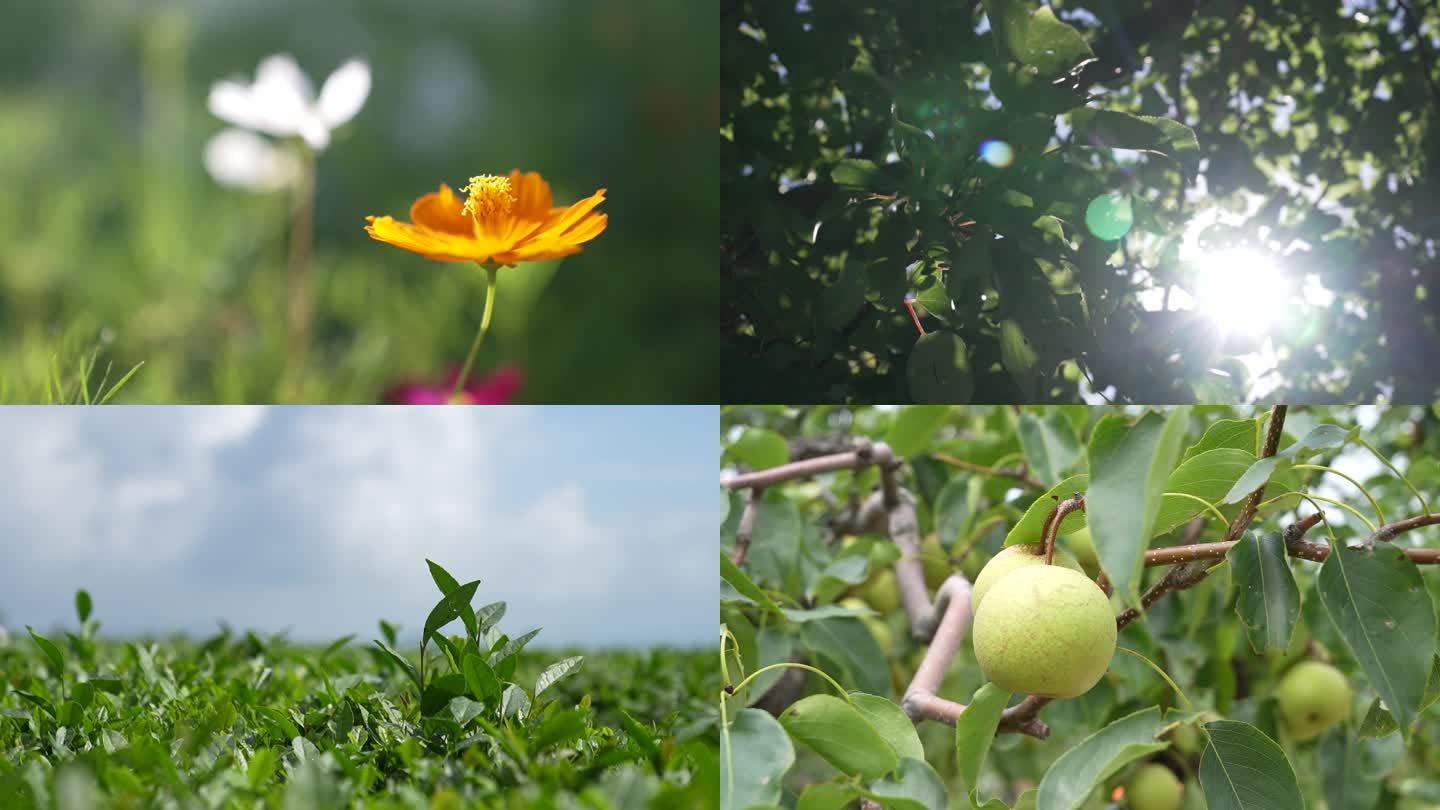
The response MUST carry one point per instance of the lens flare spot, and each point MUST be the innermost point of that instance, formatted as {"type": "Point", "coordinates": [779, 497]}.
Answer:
{"type": "Point", "coordinates": [1109, 216]}
{"type": "Point", "coordinates": [997, 153]}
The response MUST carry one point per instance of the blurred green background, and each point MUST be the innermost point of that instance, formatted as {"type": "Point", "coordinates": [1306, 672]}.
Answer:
{"type": "Point", "coordinates": [116, 243]}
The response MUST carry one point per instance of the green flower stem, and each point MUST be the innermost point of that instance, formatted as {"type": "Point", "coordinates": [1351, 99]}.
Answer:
{"type": "Point", "coordinates": [299, 303]}
{"type": "Point", "coordinates": [492, 271]}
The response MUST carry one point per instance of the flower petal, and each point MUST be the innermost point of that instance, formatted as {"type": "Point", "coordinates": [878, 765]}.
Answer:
{"type": "Point", "coordinates": [233, 103]}
{"type": "Point", "coordinates": [282, 95]}
{"type": "Point", "coordinates": [314, 131]}
{"type": "Point", "coordinates": [532, 195]}
{"type": "Point", "coordinates": [445, 247]}
{"type": "Point", "coordinates": [562, 219]}
{"type": "Point", "coordinates": [442, 211]}
{"type": "Point", "coordinates": [344, 93]}
{"type": "Point", "coordinates": [235, 157]}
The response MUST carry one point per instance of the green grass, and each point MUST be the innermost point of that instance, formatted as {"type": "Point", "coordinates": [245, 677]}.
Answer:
{"type": "Point", "coordinates": [240, 721]}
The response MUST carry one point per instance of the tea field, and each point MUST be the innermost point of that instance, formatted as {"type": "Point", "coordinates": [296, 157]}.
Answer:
{"type": "Point", "coordinates": [475, 719]}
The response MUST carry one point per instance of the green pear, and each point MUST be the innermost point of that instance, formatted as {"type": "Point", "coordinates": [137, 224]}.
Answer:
{"type": "Point", "coordinates": [1313, 696]}
{"type": "Point", "coordinates": [1044, 630]}
{"type": "Point", "coordinates": [937, 562]}
{"type": "Point", "coordinates": [1153, 787]}
{"type": "Point", "coordinates": [1011, 558]}
{"type": "Point", "coordinates": [882, 592]}
{"type": "Point", "coordinates": [1083, 546]}
{"type": "Point", "coordinates": [1187, 737]}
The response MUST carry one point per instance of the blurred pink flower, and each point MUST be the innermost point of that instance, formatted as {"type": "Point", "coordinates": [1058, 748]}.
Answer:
{"type": "Point", "coordinates": [497, 389]}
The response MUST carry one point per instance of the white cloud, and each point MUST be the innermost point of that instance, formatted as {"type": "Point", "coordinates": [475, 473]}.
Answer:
{"type": "Point", "coordinates": [320, 520]}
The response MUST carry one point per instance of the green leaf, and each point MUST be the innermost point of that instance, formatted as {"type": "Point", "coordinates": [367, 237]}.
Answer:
{"type": "Point", "coordinates": [1342, 771]}
{"type": "Point", "coordinates": [839, 576]}
{"type": "Point", "coordinates": [82, 604]}
{"type": "Point", "coordinates": [488, 616]}
{"type": "Point", "coordinates": [514, 702]}
{"type": "Point", "coordinates": [555, 672]}
{"type": "Point", "coordinates": [975, 731]}
{"type": "Point", "coordinates": [1129, 467]}
{"type": "Point", "coordinates": [1378, 601]}
{"type": "Point", "coordinates": [1179, 139]}
{"type": "Point", "coordinates": [511, 647]}
{"type": "Point", "coordinates": [915, 786]}
{"type": "Point", "coordinates": [400, 660]}
{"type": "Point", "coordinates": [755, 755]}
{"type": "Point", "coordinates": [449, 608]}
{"type": "Point", "coordinates": [891, 722]}
{"type": "Point", "coordinates": [1010, 20]}
{"type": "Point", "coordinates": [855, 174]}
{"type": "Point", "coordinates": [1019, 358]}
{"type": "Point", "coordinates": [1233, 434]}
{"type": "Point", "coordinates": [775, 542]}
{"type": "Point", "coordinates": [51, 651]}
{"type": "Point", "coordinates": [447, 585]}
{"type": "Point", "coordinates": [732, 574]}
{"type": "Point", "coordinates": [1322, 437]}
{"type": "Point", "coordinates": [913, 428]}
{"type": "Point", "coordinates": [828, 796]}
{"type": "Point", "coordinates": [841, 736]}
{"type": "Point", "coordinates": [760, 448]}
{"type": "Point", "coordinates": [1119, 130]}
{"type": "Point", "coordinates": [847, 643]}
{"type": "Point", "coordinates": [954, 507]}
{"type": "Point", "coordinates": [1049, 442]}
{"type": "Point", "coordinates": [1267, 598]}
{"type": "Point", "coordinates": [1379, 721]}
{"type": "Point", "coordinates": [1208, 477]}
{"type": "Point", "coordinates": [463, 709]}
{"type": "Point", "coordinates": [1028, 528]}
{"type": "Point", "coordinates": [1257, 475]}
{"type": "Point", "coordinates": [938, 369]}
{"type": "Point", "coordinates": [480, 678]}
{"type": "Point", "coordinates": [1052, 46]}
{"type": "Point", "coordinates": [1078, 771]}
{"type": "Point", "coordinates": [799, 615]}
{"type": "Point", "coordinates": [1243, 769]}
{"type": "Point", "coordinates": [841, 301]}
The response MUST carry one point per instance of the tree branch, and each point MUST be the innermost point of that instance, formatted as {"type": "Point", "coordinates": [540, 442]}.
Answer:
{"type": "Point", "coordinates": [1272, 443]}
{"type": "Point", "coordinates": [1386, 533]}
{"type": "Point", "coordinates": [746, 527]}
{"type": "Point", "coordinates": [1019, 473]}
{"type": "Point", "coordinates": [857, 459]}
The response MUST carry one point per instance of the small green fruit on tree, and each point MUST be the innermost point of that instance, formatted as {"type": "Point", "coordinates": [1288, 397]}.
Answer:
{"type": "Point", "coordinates": [1187, 737]}
{"type": "Point", "coordinates": [1313, 696]}
{"type": "Point", "coordinates": [883, 593]}
{"type": "Point", "coordinates": [1153, 787]}
{"type": "Point", "coordinates": [1044, 630]}
{"type": "Point", "coordinates": [937, 562]}
{"type": "Point", "coordinates": [1010, 559]}
{"type": "Point", "coordinates": [1083, 545]}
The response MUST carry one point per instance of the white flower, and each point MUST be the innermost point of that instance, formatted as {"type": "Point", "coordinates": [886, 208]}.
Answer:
{"type": "Point", "coordinates": [282, 101]}
{"type": "Point", "coordinates": [235, 157]}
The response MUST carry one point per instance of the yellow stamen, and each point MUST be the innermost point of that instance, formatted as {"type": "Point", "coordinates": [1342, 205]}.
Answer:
{"type": "Point", "coordinates": [489, 195]}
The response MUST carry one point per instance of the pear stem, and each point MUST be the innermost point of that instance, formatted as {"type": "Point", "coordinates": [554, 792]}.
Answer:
{"type": "Point", "coordinates": [1074, 503]}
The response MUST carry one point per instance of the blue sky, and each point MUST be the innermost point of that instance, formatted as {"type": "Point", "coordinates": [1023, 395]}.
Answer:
{"type": "Point", "coordinates": [596, 524]}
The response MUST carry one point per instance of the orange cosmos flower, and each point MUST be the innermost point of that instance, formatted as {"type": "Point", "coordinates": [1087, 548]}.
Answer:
{"type": "Point", "coordinates": [502, 221]}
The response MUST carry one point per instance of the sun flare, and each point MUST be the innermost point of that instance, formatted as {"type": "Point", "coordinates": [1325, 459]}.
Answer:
{"type": "Point", "coordinates": [1242, 290]}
